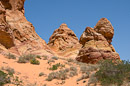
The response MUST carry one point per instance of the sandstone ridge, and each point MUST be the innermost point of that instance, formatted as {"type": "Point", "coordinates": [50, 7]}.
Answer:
{"type": "Point", "coordinates": [17, 35]}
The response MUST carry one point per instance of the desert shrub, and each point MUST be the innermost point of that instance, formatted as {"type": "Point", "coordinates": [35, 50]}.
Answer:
{"type": "Point", "coordinates": [4, 79]}
{"type": "Point", "coordinates": [84, 76]}
{"type": "Point", "coordinates": [54, 57]}
{"type": "Point", "coordinates": [88, 68]}
{"type": "Point", "coordinates": [60, 75]}
{"type": "Point", "coordinates": [26, 58]}
{"type": "Point", "coordinates": [56, 66]}
{"type": "Point", "coordinates": [16, 81]}
{"type": "Point", "coordinates": [41, 74]}
{"type": "Point", "coordinates": [9, 70]}
{"type": "Point", "coordinates": [73, 68]}
{"type": "Point", "coordinates": [70, 60]}
{"type": "Point", "coordinates": [73, 71]}
{"type": "Point", "coordinates": [113, 72]}
{"type": "Point", "coordinates": [45, 57]}
{"type": "Point", "coordinates": [10, 56]}
{"type": "Point", "coordinates": [50, 61]}
{"type": "Point", "coordinates": [39, 57]}
{"type": "Point", "coordinates": [34, 61]}
{"type": "Point", "coordinates": [93, 79]}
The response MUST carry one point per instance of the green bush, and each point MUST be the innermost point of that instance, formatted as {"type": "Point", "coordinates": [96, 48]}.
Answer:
{"type": "Point", "coordinates": [56, 66]}
{"type": "Point", "coordinates": [10, 56]}
{"type": "Point", "coordinates": [4, 79]}
{"type": "Point", "coordinates": [113, 72]}
{"type": "Point", "coordinates": [34, 61]}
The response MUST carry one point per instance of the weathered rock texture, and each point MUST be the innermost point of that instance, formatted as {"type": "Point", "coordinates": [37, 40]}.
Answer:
{"type": "Point", "coordinates": [16, 33]}
{"type": "Point", "coordinates": [97, 43]}
{"type": "Point", "coordinates": [64, 40]}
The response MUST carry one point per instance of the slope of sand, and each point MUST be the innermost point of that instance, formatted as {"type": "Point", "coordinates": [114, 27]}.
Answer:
{"type": "Point", "coordinates": [29, 73]}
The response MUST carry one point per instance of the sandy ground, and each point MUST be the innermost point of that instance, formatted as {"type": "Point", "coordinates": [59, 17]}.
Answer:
{"type": "Point", "coordinates": [29, 73]}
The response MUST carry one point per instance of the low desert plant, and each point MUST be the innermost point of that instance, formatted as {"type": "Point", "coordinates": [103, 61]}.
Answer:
{"type": "Point", "coordinates": [84, 76]}
{"type": "Point", "coordinates": [93, 79]}
{"type": "Point", "coordinates": [41, 74]}
{"type": "Point", "coordinates": [56, 66]}
{"type": "Point", "coordinates": [39, 57]}
{"type": "Point", "coordinates": [50, 61]}
{"type": "Point", "coordinates": [88, 68]}
{"type": "Point", "coordinates": [72, 68]}
{"type": "Point", "coordinates": [16, 81]}
{"type": "Point", "coordinates": [34, 61]}
{"type": "Point", "coordinates": [9, 70]}
{"type": "Point", "coordinates": [55, 58]}
{"type": "Point", "coordinates": [45, 57]}
{"type": "Point", "coordinates": [60, 75]}
{"type": "Point", "coordinates": [26, 58]}
{"type": "Point", "coordinates": [113, 72]}
{"type": "Point", "coordinates": [4, 78]}
{"type": "Point", "coordinates": [70, 60]}
{"type": "Point", "coordinates": [10, 56]}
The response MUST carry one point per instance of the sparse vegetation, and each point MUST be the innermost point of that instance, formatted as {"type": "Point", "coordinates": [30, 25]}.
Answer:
{"type": "Point", "coordinates": [10, 56]}
{"type": "Point", "coordinates": [61, 75]}
{"type": "Point", "coordinates": [84, 76]}
{"type": "Point", "coordinates": [55, 58]}
{"type": "Point", "coordinates": [56, 66]}
{"type": "Point", "coordinates": [88, 68]}
{"type": "Point", "coordinates": [41, 74]}
{"type": "Point", "coordinates": [29, 58]}
{"type": "Point", "coordinates": [50, 61]}
{"type": "Point", "coordinates": [113, 72]}
{"type": "Point", "coordinates": [70, 60]}
{"type": "Point", "coordinates": [34, 61]}
{"type": "Point", "coordinates": [45, 57]}
{"type": "Point", "coordinates": [39, 57]}
{"type": "Point", "coordinates": [25, 58]}
{"type": "Point", "coordinates": [93, 80]}
{"type": "Point", "coordinates": [9, 70]}
{"type": "Point", "coordinates": [4, 78]}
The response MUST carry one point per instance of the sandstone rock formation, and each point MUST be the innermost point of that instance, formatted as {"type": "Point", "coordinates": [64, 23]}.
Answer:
{"type": "Point", "coordinates": [96, 43]}
{"type": "Point", "coordinates": [16, 33]}
{"type": "Point", "coordinates": [64, 40]}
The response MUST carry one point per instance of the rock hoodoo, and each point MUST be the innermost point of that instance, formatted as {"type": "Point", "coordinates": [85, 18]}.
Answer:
{"type": "Point", "coordinates": [63, 40]}
{"type": "Point", "coordinates": [16, 33]}
{"type": "Point", "coordinates": [96, 43]}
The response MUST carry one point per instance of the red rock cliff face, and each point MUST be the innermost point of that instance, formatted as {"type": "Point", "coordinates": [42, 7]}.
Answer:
{"type": "Point", "coordinates": [96, 43]}
{"type": "Point", "coordinates": [16, 33]}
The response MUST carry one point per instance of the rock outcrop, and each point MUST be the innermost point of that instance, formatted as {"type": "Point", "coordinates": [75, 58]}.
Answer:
{"type": "Point", "coordinates": [96, 43]}
{"type": "Point", "coordinates": [64, 40]}
{"type": "Point", "coordinates": [16, 33]}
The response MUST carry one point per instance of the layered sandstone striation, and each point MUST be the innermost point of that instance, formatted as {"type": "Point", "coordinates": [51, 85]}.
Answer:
{"type": "Point", "coordinates": [16, 33]}
{"type": "Point", "coordinates": [64, 40]}
{"type": "Point", "coordinates": [96, 43]}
